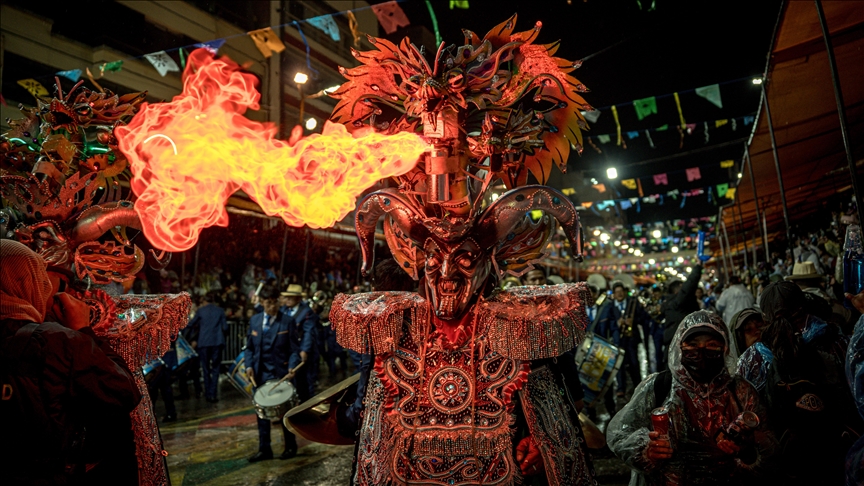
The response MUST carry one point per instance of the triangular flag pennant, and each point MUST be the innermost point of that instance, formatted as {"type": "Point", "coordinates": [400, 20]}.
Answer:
{"type": "Point", "coordinates": [634, 200]}
{"type": "Point", "coordinates": [162, 62]}
{"type": "Point", "coordinates": [604, 138]}
{"type": "Point", "coordinates": [390, 16]}
{"type": "Point", "coordinates": [693, 174]}
{"type": "Point", "coordinates": [601, 188]}
{"type": "Point", "coordinates": [748, 120]}
{"type": "Point", "coordinates": [632, 135]}
{"type": "Point", "coordinates": [722, 189]}
{"type": "Point", "coordinates": [720, 123]}
{"type": "Point", "coordinates": [587, 204]}
{"type": "Point", "coordinates": [662, 128]}
{"type": "Point", "coordinates": [690, 127]}
{"type": "Point", "coordinates": [33, 87]}
{"type": "Point", "coordinates": [727, 164]}
{"type": "Point", "coordinates": [458, 4]}
{"type": "Point", "coordinates": [591, 116]}
{"type": "Point", "coordinates": [730, 194]}
{"type": "Point", "coordinates": [73, 74]}
{"type": "Point", "coordinates": [212, 46]}
{"type": "Point", "coordinates": [645, 107]}
{"type": "Point", "coordinates": [629, 183]}
{"type": "Point", "coordinates": [661, 180]}
{"type": "Point", "coordinates": [711, 93]}
{"type": "Point", "coordinates": [326, 24]}
{"type": "Point", "coordinates": [112, 67]}
{"type": "Point", "coordinates": [267, 41]}
{"type": "Point", "coordinates": [626, 204]}
{"type": "Point", "coordinates": [673, 194]}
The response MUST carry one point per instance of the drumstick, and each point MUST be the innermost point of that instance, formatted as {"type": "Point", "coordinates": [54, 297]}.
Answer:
{"type": "Point", "coordinates": [286, 377]}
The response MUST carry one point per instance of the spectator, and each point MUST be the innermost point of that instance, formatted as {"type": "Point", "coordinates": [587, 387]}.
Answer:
{"type": "Point", "coordinates": [680, 301]}
{"type": "Point", "coordinates": [700, 399]}
{"type": "Point", "coordinates": [734, 299]}
{"type": "Point", "coordinates": [810, 405]}
{"type": "Point", "coordinates": [58, 381]}
{"type": "Point", "coordinates": [855, 376]}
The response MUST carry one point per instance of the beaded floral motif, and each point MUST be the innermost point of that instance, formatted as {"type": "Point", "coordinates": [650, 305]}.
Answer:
{"type": "Point", "coordinates": [556, 429]}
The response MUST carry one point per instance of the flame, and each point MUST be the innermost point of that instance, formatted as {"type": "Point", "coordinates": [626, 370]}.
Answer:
{"type": "Point", "coordinates": [188, 156]}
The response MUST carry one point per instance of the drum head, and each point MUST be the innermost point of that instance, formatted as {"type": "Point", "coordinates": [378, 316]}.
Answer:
{"type": "Point", "coordinates": [274, 393]}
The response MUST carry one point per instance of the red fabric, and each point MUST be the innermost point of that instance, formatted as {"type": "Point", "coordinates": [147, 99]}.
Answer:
{"type": "Point", "coordinates": [24, 285]}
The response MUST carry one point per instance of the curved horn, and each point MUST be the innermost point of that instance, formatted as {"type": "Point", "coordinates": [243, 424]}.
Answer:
{"type": "Point", "coordinates": [160, 260]}
{"type": "Point", "coordinates": [507, 211]}
{"type": "Point", "coordinates": [370, 210]}
{"type": "Point", "coordinates": [98, 220]}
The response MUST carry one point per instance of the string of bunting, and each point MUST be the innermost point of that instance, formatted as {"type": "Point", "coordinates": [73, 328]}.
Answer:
{"type": "Point", "coordinates": [389, 14]}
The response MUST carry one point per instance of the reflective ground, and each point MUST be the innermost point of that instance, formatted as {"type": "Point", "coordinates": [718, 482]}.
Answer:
{"type": "Point", "coordinates": [209, 445]}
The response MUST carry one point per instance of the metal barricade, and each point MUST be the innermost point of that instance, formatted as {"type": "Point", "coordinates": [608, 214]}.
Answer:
{"type": "Point", "coordinates": [235, 341]}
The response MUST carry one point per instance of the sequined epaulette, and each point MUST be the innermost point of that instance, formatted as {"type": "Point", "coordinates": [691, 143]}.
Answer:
{"type": "Point", "coordinates": [372, 322]}
{"type": "Point", "coordinates": [536, 322]}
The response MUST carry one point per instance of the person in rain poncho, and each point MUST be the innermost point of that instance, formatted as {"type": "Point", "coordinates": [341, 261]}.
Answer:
{"type": "Point", "coordinates": [855, 375]}
{"type": "Point", "coordinates": [752, 355]}
{"type": "Point", "coordinates": [702, 400]}
{"type": "Point", "coordinates": [812, 411]}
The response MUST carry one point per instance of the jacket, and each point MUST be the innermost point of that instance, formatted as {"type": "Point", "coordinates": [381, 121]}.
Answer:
{"type": "Point", "coordinates": [208, 327]}
{"type": "Point", "coordinates": [855, 376]}
{"type": "Point", "coordinates": [607, 321]}
{"type": "Point", "coordinates": [677, 306]}
{"type": "Point", "coordinates": [697, 413]}
{"type": "Point", "coordinates": [272, 354]}
{"type": "Point", "coordinates": [66, 381]}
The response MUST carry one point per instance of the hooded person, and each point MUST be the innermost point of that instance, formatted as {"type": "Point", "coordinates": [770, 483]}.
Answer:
{"type": "Point", "coordinates": [59, 379]}
{"type": "Point", "coordinates": [812, 410]}
{"type": "Point", "coordinates": [752, 355]}
{"type": "Point", "coordinates": [702, 402]}
{"type": "Point", "coordinates": [855, 376]}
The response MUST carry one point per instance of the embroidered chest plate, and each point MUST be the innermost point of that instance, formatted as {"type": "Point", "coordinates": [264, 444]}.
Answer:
{"type": "Point", "coordinates": [449, 411]}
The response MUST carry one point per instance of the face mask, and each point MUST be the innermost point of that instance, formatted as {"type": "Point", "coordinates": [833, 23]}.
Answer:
{"type": "Point", "coordinates": [702, 364]}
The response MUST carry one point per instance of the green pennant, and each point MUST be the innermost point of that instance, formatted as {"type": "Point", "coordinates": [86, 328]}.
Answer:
{"type": "Point", "coordinates": [182, 59]}
{"type": "Point", "coordinates": [662, 129]}
{"type": "Point", "coordinates": [111, 66]}
{"type": "Point", "coordinates": [458, 4]}
{"type": "Point", "coordinates": [645, 107]}
{"type": "Point", "coordinates": [722, 189]}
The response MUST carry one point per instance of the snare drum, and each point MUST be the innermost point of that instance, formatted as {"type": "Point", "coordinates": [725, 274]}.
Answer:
{"type": "Point", "coordinates": [598, 361]}
{"type": "Point", "coordinates": [238, 376]}
{"type": "Point", "coordinates": [152, 369]}
{"type": "Point", "coordinates": [185, 355]}
{"type": "Point", "coordinates": [273, 399]}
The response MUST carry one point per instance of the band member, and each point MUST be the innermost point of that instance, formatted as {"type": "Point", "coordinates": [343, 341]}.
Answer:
{"type": "Point", "coordinates": [272, 353]}
{"type": "Point", "coordinates": [306, 323]}
{"type": "Point", "coordinates": [620, 322]}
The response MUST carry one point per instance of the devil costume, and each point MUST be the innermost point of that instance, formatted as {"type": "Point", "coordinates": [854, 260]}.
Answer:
{"type": "Point", "coordinates": [462, 373]}
{"type": "Point", "coordinates": [697, 412]}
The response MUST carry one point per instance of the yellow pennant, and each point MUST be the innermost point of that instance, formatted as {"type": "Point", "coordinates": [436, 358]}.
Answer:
{"type": "Point", "coordinates": [267, 41]}
{"type": "Point", "coordinates": [33, 87]}
{"type": "Point", "coordinates": [720, 123]}
{"type": "Point", "coordinates": [618, 125]}
{"type": "Point", "coordinates": [730, 193]}
{"type": "Point", "coordinates": [629, 183]}
{"type": "Point", "coordinates": [727, 164]}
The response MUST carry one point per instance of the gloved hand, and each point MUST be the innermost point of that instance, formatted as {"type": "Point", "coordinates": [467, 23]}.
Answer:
{"type": "Point", "coordinates": [528, 457]}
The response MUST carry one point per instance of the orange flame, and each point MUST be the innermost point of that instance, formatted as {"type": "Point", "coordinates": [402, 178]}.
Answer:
{"type": "Point", "coordinates": [188, 156]}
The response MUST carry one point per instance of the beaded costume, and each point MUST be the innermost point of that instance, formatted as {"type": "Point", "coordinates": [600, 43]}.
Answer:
{"type": "Point", "coordinates": [60, 180]}
{"type": "Point", "coordinates": [460, 369]}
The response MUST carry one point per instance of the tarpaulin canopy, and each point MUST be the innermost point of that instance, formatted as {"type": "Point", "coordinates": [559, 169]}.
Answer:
{"type": "Point", "coordinates": [801, 98]}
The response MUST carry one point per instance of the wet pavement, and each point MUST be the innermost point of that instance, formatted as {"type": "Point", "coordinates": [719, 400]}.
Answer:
{"type": "Point", "coordinates": [210, 443]}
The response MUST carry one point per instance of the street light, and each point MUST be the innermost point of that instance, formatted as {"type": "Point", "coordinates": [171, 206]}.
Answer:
{"type": "Point", "coordinates": [656, 234]}
{"type": "Point", "coordinates": [311, 123]}
{"type": "Point", "coordinates": [300, 78]}
{"type": "Point", "coordinates": [612, 173]}
{"type": "Point", "coordinates": [757, 81]}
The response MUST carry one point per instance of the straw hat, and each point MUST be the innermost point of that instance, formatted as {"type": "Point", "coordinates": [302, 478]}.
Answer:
{"type": "Point", "coordinates": [804, 271]}
{"type": "Point", "coordinates": [293, 290]}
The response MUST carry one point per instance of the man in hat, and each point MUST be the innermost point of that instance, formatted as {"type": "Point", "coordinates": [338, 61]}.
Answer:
{"type": "Point", "coordinates": [306, 322]}
{"type": "Point", "coordinates": [808, 278]}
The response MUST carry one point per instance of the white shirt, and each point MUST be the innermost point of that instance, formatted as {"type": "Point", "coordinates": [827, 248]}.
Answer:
{"type": "Point", "coordinates": [733, 300]}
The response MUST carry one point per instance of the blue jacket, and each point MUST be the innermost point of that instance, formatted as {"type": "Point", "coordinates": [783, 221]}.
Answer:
{"type": "Point", "coordinates": [208, 327]}
{"type": "Point", "coordinates": [306, 322]}
{"type": "Point", "coordinates": [274, 353]}
{"type": "Point", "coordinates": [607, 322]}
